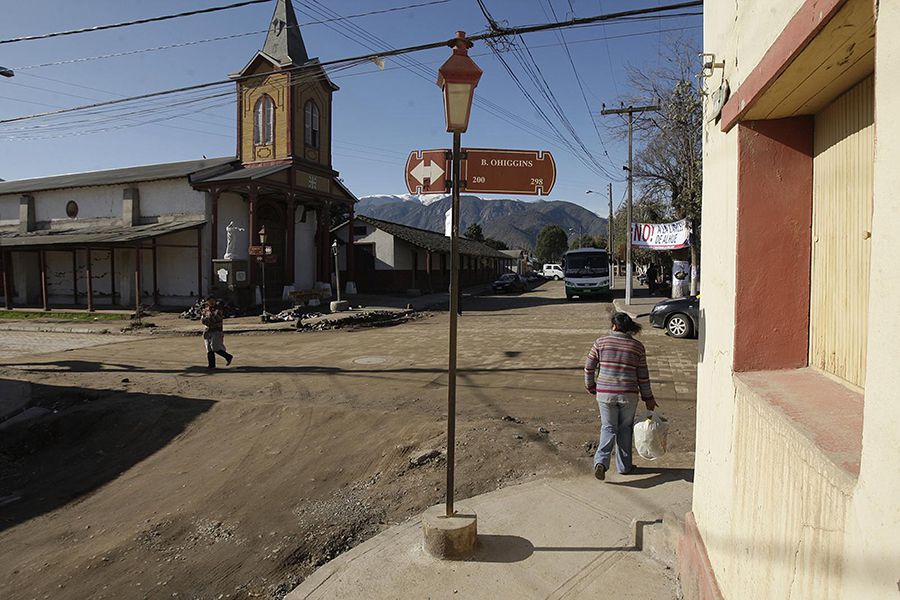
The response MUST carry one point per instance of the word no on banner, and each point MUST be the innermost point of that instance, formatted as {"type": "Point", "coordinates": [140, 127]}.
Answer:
{"type": "Point", "coordinates": [484, 170]}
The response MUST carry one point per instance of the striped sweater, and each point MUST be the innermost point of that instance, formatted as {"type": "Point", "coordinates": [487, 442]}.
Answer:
{"type": "Point", "coordinates": [617, 364]}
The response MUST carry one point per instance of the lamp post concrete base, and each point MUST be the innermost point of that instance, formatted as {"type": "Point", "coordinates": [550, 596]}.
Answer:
{"type": "Point", "coordinates": [450, 538]}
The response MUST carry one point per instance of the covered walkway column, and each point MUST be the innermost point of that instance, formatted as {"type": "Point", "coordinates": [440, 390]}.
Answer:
{"type": "Point", "coordinates": [42, 257]}
{"type": "Point", "coordinates": [6, 257]}
{"type": "Point", "coordinates": [89, 283]}
{"type": "Point", "coordinates": [351, 253]}
{"type": "Point", "coordinates": [251, 234]}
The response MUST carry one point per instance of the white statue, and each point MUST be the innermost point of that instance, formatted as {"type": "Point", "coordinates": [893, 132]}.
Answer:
{"type": "Point", "coordinates": [229, 239]}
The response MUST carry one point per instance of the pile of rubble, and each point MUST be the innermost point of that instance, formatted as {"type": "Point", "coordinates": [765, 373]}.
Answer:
{"type": "Point", "coordinates": [298, 313]}
{"type": "Point", "coordinates": [193, 313]}
{"type": "Point", "coordinates": [372, 318]}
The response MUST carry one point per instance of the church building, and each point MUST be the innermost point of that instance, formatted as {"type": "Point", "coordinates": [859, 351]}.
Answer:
{"type": "Point", "coordinates": [165, 234]}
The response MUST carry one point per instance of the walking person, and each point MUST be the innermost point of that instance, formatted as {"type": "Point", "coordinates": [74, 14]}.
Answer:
{"type": "Point", "coordinates": [212, 317]}
{"type": "Point", "coordinates": [616, 373]}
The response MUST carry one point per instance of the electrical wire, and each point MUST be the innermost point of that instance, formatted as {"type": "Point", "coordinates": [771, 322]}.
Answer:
{"type": "Point", "coordinates": [219, 38]}
{"type": "Point", "coordinates": [199, 11]}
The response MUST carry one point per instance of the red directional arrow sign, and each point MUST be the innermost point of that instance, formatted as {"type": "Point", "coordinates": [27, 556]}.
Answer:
{"type": "Point", "coordinates": [427, 172]}
{"type": "Point", "coordinates": [528, 172]}
{"type": "Point", "coordinates": [484, 170]}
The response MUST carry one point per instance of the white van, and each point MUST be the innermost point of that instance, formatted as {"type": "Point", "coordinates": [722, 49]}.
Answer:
{"type": "Point", "coordinates": [552, 271]}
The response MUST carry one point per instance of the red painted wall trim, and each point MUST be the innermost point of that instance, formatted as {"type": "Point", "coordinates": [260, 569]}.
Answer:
{"type": "Point", "coordinates": [774, 229]}
{"type": "Point", "coordinates": [799, 32]}
{"type": "Point", "coordinates": [698, 580]}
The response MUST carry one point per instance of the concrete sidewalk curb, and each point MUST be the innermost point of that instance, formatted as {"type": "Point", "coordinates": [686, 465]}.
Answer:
{"type": "Point", "coordinates": [571, 532]}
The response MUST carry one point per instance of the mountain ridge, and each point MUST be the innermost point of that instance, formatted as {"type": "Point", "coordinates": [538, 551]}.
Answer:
{"type": "Point", "coordinates": [514, 222]}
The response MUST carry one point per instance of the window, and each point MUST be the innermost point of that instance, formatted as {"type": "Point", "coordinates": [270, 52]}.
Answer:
{"type": "Point", "coordinates": [71, 209]}
{"type": "Point", "coordinates": [311, 130]}
{"type": "Point", "coordinates": [263, 121]}
{"type": "Point", "coordinates": [360, 230]}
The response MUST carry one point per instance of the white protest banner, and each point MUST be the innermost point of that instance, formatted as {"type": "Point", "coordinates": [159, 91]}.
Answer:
{"type": "Point", "coordinates": [661, 236]}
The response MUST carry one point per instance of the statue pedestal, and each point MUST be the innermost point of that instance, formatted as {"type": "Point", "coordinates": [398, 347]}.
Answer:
{"type": "Point", "coordinates": [231, 281]}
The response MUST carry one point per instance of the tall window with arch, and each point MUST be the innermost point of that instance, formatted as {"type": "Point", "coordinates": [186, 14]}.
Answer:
{"type": "Point", "coordinates": [263, 120]}
{"type": "Point", "coordinates": [311, 130]}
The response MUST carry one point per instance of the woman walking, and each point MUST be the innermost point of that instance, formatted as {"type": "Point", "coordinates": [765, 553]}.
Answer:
{"type": "Point", "coordinates": [616, 372]}
{"type": "Point", "coordinates": [214, 336]}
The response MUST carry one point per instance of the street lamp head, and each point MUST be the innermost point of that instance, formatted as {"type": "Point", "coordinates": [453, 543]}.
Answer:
{"type": "Point", "coordinates": [458, 78]}
{"type": "Point", "coordinates": [262, 235]}
{"type": "Point", "coordinates": [6, 72]}
{"type": "Point", "coordinates": [334, 247]}
{"type": "Point", "coordinates": [590, 192]}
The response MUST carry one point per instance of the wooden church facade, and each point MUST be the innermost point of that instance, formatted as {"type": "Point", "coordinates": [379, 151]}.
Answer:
{"type": "Point", "coordinates": [94, 239]}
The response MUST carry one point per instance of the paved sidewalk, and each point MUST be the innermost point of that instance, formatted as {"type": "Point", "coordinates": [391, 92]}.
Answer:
{"type": "Point", "coordinates": [569, 538]}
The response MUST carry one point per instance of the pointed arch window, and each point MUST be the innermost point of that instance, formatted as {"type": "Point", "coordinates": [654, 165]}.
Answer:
{"type": "Point", "coordinates": [263, 120]}
{"type": "Point", "coordinates": [311, 130]}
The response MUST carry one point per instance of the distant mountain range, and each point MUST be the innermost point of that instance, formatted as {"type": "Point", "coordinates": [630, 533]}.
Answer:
{"type": "Point", "coordinates": [514, 222]}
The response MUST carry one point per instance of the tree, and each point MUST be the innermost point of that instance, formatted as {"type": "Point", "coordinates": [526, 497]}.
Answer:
{"type": "Point", "coordinates": [474, 232]}
{"type": "Point", "coordinates": [668, 167]}
{"type": "Point", "coordinates": [495, 244]}
{"type": "Point", "coordinates": [552, 243]}
{"type": "Point", "coordinates": [588, 241]}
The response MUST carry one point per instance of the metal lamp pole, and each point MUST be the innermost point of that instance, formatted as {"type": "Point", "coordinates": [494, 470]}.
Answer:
{"type": "Point", "coordinates": [457, 77]}
{"type": "Point", "coordinates": [262, 242]}
{"type": "Point", "coordinates": [337, 270]}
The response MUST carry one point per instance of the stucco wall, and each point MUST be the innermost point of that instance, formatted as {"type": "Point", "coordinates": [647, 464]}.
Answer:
{"type": "Point", "coordinates": [775, 517]}
{"type": "Point", "coordinates": [871, 563]}
{"type": "Point", "coordinates": [304, 250]}
{"type": "Point", "coordinates": [157, 198]}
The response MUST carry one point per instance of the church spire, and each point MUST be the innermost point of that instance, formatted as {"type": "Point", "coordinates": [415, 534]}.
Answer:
{"type": "Point", "coordinates": [284, 44]}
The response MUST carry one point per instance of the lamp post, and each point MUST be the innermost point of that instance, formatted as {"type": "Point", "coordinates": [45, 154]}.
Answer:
{"type": "Point", "coordinates": [457, 78]}
{"type": "Point", "coordinates": [337, 270]}
{"type": "Point", "coordinates": [262, 242]}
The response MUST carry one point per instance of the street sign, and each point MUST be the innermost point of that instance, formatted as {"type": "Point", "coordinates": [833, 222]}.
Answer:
{"type": "Point", "coordinates": [268, 250]}
{"type": "Point", "coordinates": [426, 172]}
{"type": "Point", "coordinates": [255, 251]}
{"type": "Point", "coordinates": [268, 258]}
{"type": "Point", "coordinates": [484, 170]}
{"type": "Point", "coordinates": [527, 172]}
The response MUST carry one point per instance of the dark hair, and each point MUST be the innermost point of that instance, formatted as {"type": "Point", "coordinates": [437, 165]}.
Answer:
{"type": "Point", "coordinates": [622, 322]}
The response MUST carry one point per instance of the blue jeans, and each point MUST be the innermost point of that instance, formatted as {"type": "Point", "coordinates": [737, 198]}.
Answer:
{"type": "Point", "coordinates": [617, 427]}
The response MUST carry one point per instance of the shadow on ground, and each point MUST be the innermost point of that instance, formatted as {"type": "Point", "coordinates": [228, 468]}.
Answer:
{"type": "Point", "coordinates": [94, 437]}
{"type": "Point", "coordinates": [648, 477]}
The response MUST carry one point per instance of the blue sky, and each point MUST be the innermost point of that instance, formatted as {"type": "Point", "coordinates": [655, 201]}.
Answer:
{"type": "Point", "coordinates": [379, 116]}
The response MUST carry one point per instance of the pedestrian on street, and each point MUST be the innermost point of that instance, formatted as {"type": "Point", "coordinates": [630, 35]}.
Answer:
{"type": "Point", "coordinates": [616, 372]}
{"type": "Point", "coordinates": [212, 317]}
{"type": "Point", "coordinates": [651, 277]}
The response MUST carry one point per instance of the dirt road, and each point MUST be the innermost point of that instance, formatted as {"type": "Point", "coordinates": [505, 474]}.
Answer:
{"type": "Point", "coordinates": [156, 479]}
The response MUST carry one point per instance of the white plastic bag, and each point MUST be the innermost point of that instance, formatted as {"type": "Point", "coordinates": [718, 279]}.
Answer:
{"type": "Point", "coordinates": [651, 435]}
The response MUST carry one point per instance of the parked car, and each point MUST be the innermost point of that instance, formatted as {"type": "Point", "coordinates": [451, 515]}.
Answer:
{"type": "Point", "coordinates": [552, 271]}
{"type": "Point", "coordinates": [680, 317]}
{"type": "Point", "coordinates": [532, 277]}
{"type": "Point", "coordinates": [509, 282]}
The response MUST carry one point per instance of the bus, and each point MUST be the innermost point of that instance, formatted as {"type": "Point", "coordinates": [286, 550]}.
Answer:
{"type": "Point", "coordinates": [586, 273]}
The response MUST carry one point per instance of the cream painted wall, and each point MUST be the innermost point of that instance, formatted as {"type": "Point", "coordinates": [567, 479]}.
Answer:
{"type": "Point", "coordinates": [304, 250]}
{"type": "Point", "coordinates": [755, 532]}
{"type": "Point", "coordinates": [872, 550]}
{"type": "Point", "coordinates": [158, 198]}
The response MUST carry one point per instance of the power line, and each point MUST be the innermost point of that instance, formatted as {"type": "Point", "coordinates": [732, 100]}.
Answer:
{"type": "Point", "coordinates": [199, 11]}
{"type": "Point", "coordinates": [222, 37]}
{"type": "Point", "coordinates": [502, 32]}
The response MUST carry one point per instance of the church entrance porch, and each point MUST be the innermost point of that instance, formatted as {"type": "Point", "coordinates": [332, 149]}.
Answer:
{"type": "Point", "coordinates": [294, 203]}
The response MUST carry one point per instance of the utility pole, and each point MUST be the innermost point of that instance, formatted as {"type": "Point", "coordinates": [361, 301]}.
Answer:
{"type": "Point", "coordinates": [609, 241]}
{"type": "Point", "coordinates": [629, 110]}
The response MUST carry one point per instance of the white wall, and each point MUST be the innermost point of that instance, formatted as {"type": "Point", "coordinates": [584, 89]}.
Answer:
{"type": "Point", "coordinates": [304, 250]}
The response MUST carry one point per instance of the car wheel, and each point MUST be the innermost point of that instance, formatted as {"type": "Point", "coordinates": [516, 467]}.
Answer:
{"type": "Point", "coordinates": [556, 278]}
{"type": "Point", "coordinates": [679, 325]}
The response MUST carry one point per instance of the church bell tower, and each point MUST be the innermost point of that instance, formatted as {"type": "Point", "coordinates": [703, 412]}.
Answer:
{"type": "Point", "coordinates": [284, 99]}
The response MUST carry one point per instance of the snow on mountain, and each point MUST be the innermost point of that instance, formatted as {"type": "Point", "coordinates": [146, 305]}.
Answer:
{"type": "Point", "coordinates": [381, 199]}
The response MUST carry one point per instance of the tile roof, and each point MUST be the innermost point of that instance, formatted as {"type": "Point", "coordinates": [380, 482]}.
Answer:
{"type": "Point", "coordinates": [115, 176]}
{"type": "Point", "coordinates": [432, 240]}
{"type": "Point", "coordinates": [95, 235]}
